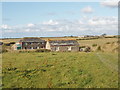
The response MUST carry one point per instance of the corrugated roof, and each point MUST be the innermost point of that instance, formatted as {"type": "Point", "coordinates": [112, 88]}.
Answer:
{"type": "Point", "coordinates": [64, 43]}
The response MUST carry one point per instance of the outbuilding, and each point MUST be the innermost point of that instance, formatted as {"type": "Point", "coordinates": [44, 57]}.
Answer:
{"type": "Point", "coordinates": [62, 45]}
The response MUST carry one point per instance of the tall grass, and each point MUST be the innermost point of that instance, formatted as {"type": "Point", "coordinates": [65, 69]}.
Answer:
{"type": "Point", "coordinates": [57, 70]}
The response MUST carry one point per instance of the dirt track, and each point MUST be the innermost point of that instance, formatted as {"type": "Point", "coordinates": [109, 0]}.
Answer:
{"type": "Point", "coordinates": [107, 63]}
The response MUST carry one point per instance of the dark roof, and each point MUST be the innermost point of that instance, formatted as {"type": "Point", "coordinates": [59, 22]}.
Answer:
{"type": "Point", "coordinates": [32, 40]}
{"type": "Point", "coordinates": [1, 43]}
{"type": "Point", "coordinates": [64, 43]}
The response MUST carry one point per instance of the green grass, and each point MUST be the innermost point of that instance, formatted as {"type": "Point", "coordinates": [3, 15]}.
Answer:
{"type": "Point", "coordinates": [100, 41]}
{"type": "Point", "coordinates": [59, 70]}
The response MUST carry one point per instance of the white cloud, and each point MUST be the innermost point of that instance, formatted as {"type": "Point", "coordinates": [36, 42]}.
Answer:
{"type": "Point", "coordinates": [80, 22]}
{"type": "Point", "coordinates": [111, 4]}
{"type": "Point", "coordinates": [51, 30]}
{"type": "Point", "coordinates": [9, 31]}
{"type": "Point", "coordinates": [103, 21]}
{"type": "Point", "coordinates": [94, 25]}
{"type": "Point", "coordinates": [37, 30]}
{"type": "Point", "coordinates": [27, 30]}
{"type": "Point", "coordinates": [87, 9]}
{"type": "Point", "coordinates": [31, 25]}
{"type": "Point", "coordinates": [97, 22]}
{"type": "Point", "coordinates": [50, 22]}
{"type": "Point", "coordinates": [5, 27]}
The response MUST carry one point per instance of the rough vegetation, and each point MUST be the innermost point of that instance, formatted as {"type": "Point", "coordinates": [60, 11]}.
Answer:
{"type": "Point", "coordinates": [43, 69]}
{"type": "Point", "coordinates": [94, 45]}
{"type": "Point", "coordinates": [59, 70]}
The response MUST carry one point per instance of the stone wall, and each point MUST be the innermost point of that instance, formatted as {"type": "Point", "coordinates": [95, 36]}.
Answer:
{"type": "Point", "coordinates": [33, 45]}
{"type": "Point", "coordinates": [64, 48]}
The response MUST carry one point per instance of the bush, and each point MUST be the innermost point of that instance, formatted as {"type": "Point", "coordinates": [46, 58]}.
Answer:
{"type": "Point", "coordinates": [87, 49]}
{"type": "Point", "coordinates": [12, 42]}
{"type": "Point", "coordinates": [24, 51]}
{"type": "Point", "coordinates": [94, 45]}
{"type": "Point", "coordinates": [116, 49]}
{"type": "Point", "coordinates": [42, 50]}
{"type": "Point", "coordinates": [82, 46]}
{"type": "Point", "coordinates": [34, 50]}
{"type": "Point", "coordinates": [7, 44]}
{"type": "Point", "coordinates": [108, 43]}
{"type": "Point", "coordinates": [99, 48]}
{"type": "Point", "coordinates": [3, 50]}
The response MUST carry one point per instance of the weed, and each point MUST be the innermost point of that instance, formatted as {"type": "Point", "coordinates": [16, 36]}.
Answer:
{"type": "Point", "coordinates": [94, 45]}
{"type": "Point", "coordinates": [108, 43]}
{"type": "Point", "coordinates": [99, 48]}
{"type": "Point", "coordinates": [28, 70]}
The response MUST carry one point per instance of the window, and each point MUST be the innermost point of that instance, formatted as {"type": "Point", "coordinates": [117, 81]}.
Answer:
{"type": "Point", "coordinates": [34, 47]}
{"type": "Point", "coordinates": [57, 48]}
{"type": "Point", "coordinates": [31, 43]}
{"type": "Point", "coordinates": [41, 46]}
{"type": "Point", "coordinates": [26, 44]}
{"type": "Point", "coordinates": [31, 47]}
{"type": "Point", "coordinates": [69, 48]}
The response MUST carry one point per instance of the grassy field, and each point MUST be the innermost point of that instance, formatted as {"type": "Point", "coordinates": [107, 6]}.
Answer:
{"type": "Point", "coordinates": [44, 38]}
{"type": "Point", "coordinates": [97, 69]}
{"type": "Point", "coordinates": [106, 44]}
{"type": "Point", "coordinates": [100, 41]}
{"type": "Point", "coordinates": [60, 70]}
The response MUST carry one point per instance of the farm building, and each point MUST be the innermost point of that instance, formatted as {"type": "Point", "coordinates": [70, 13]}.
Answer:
{"type": "Point", "coordinates": [17, 46]}
{"type": "Point", "coordinates": [1, 43]}
{"type": "Point", "coordinates": [29, 43]}
{"type": "Point", "coordinates": [62, 45]}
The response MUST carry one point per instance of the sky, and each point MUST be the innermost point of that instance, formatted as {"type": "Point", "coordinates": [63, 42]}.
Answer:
{"type": "Point", "coordinates": [51, 19]}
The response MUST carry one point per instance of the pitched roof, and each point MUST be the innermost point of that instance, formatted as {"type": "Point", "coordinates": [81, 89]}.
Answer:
{"type": "Point", "coordinates": [63, 43]}
{"type": "Point", "coordinates": [32, 40]}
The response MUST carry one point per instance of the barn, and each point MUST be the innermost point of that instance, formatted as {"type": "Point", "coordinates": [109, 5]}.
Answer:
{"type": "Point", "coordinates": [30, 43]}
{"type": "Point", "coordinates": [62, 45]}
